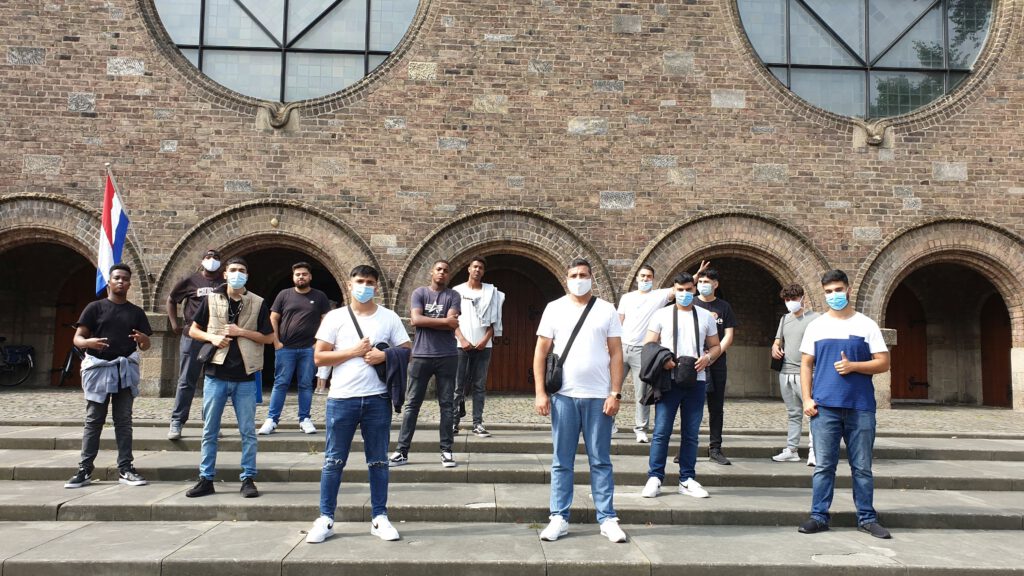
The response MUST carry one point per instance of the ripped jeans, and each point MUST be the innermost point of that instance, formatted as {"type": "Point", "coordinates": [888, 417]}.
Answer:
{"type": "Point", "coordinates": [373, 416]}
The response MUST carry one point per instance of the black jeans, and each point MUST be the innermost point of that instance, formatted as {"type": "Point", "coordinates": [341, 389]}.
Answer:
{"type": "Point", "coordinates": [472, 376]}
{"type": "Point", "coordinates": [95, 416]}
{"type": "Point", "coordinates": [188, 378]}
{"type": "Point", "coordinates": [716, 402]}
{"type": "Point", "coordinates": [420, 372]}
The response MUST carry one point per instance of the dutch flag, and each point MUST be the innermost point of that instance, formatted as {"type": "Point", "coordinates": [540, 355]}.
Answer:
{"type": "Point", "coordinates": [113, 233]}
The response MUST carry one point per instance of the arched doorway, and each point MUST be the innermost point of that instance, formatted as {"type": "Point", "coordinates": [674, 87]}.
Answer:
{"type": "Point", "coordinates": [528, 287]}
{"type": "Point", "coordinates": [909, 371]}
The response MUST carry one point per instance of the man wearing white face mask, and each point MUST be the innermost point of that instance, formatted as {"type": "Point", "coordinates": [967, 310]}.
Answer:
{"type": "Point", "coordinates": [787, 348]}
{"type": "Point", "coordinates": [192, 291]}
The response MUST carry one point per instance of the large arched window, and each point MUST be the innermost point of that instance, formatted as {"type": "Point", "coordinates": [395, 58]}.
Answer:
{"type": "Point", "coordinates": [286, 50]}
{"type": "Point", "coordinates": [868, 58]}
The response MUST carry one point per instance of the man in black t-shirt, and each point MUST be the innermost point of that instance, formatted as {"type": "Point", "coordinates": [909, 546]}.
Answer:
{"type": "Point", "coordinates": [707, 285]}
{"type": "Point", "coordinates": [110, 331]}
{"type": "Point", "coordinates": [295, 315]}
{"type": "Point", "coordinates": [237, 324]}
{"type": "Point", "coordinates": [191, 291]}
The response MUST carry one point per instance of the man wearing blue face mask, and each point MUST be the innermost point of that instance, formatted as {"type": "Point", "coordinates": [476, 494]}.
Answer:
{"type": "Point", "coordinates": [841, 350]}
{"type": "Point", "coordinates": [236, 323]}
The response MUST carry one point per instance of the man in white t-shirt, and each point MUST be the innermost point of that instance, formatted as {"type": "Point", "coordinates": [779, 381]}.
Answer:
{"type": "Point", "coordinates": [673, 327]}
{"type": "Point", "coordinates": [635, 311]}
{"type": "Point", "coordinates": [479, 323]}
{"type": "Point", "coordinates": [357, 397]}
{"type": "Point", "coordinates": [587, 401]}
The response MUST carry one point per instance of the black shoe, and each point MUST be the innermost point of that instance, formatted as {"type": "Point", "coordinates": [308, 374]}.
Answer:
{"type": "Point", "coordinates": [812, 526]}
{"type": "Point", "coordinates": [462, 409]}
{"type": "Point", "coordinates": [675, 460]}
{"type": "Point", "coordinates": [455, 429]}
{"type": "Point", "coordinates": [875, 529]}
{"type": "Point", "coordinates": [82, 478]}
{"type": "Point", "coordinates": [130, 477]}
{"type": "Point", "coordinates": [716, 456]}
{"type": "Point", "coordinates": [202, 488]}
{"type": "Point", "coordinates": [248, 489]}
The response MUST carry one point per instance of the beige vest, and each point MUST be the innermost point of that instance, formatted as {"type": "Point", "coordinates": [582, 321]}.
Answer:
{"type": "Point", "coordinates": [248, 318]}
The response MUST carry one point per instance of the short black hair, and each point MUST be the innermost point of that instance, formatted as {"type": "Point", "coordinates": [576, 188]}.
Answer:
{"type": "Point", "coordinates": [479, 259]}
{"type": "Point", "coordinates": [364, 271]}
{"type": "Point", "coordinates": [120, 266]}
{"type": "Point", "coordinates": [305, 265]}
{"type": "Point", "coordinates": [792, 291]}
{"type": "Point", "coordinates": [709, 273]}
{"type": "Point", "coordinates": [440, 261]}
{"type": "Point", "coordinates": [579, 262]}
{"type": "Point", "coordinates": [683, 278]}
{"type": "Point", "coordinates": [646, 266]}
{"type": "Point", "coordinates": [835, 276]}
{"type": "Point", "coordinates": [236, 260]}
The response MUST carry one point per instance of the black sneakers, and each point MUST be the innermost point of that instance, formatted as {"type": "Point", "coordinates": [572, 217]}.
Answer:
{"type": "Point", "coordinates": [875, 529]}
{"type": "Point", "coordinates": [202, 488]}
{"type": "Point", "coordinates": [130, 477]}
{"type": "Point", "coordinates": [716, 456]}
{"type": "Point", "coordinates": [812, 526]}
{"type": "Point", "coordinates": [248, 489]}
{"type": "Point", "coordinates": [82, 478]}
{"type": "Point", "coordinates": [462, 409]}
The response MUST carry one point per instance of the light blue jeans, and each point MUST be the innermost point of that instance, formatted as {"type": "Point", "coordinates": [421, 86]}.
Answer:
{"type": "Point", "coordinates": [289, 363]}
{"type": "Point", "coordinates": [857, 429]}
{"type": "Point", "coordinates": [570, 417]}
{"type": "Point", "coordinates": [243, 397]}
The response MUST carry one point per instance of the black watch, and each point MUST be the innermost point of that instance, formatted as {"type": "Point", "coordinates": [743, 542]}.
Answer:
{"type": "Point", "coordinates": [617, 395]}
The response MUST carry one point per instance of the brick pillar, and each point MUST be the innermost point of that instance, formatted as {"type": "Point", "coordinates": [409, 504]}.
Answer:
{"type": "Point", "coordinates": [1017, 377]}
{"type": "Point", "coordinates": [160, 362]}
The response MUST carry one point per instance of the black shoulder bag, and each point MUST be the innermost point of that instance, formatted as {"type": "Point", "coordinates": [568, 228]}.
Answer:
{"type": "Point", "coordinates": [685, 373]}
{"type": "Point", "coordinates": [553, 364]}
{"type": "Point", "coordinates": [382, 367]}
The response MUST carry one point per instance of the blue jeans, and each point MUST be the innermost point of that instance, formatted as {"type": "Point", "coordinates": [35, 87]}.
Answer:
{"type": "Point", "coordinates": [857, 429]}
{"type": "Point", "coordinates": [243, 397]}
{"type": "Point", "coordinates": [289, 363]}
{"type": "Point", "coordinates": [690, 403]}
{"type": "Point", "coordinates": [373, 416]}
{"type": "Point", "coordinates": [569, 417]}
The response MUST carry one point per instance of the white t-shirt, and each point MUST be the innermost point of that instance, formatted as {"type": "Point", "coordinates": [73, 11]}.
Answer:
{"type": "Point", "coordinates": [638, 307]}
{"type": "Point", "coordinates": [469, 321]}
{"type": "Point", "coordinates": [661, 323]}
{"type": "Point", "coordinates": [586, 372]}
{"type": "Point", "coordinates": [354, 378]}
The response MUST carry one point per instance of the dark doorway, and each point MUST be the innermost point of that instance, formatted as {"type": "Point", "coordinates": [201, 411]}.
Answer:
{"type": "Point", "coordinates": [909, 371]}
{"type": "Point", "coordinates": [76, 292]}
{"type": "Point", "coordinates": [528, 287]}
{"type": "Point", "coordinates": [995, 352]}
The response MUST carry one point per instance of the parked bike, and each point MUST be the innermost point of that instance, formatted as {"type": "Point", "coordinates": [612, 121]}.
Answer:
{"type": "Point", "coordinates": [16, 363]}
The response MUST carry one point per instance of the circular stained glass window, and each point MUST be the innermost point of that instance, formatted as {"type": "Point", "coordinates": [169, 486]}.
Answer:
{"type": "Point", "coordinates": [868, 58]}
{"type": "Point", "coordinates": [286, 50]}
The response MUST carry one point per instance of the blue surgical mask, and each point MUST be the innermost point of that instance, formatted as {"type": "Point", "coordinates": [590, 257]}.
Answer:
{"type": "Point", "coordinates": [684, 298]}
{"type": "Point", "coordinates": [363, 293]}
{"type": "Point", "coordinates": [237, 279]}
{"type": "Point", "coordinates": [644, 286]}
{"type": "Point", "coordinates": [706, 289]}
{"type": "Point", "coordinates": [836, 300]}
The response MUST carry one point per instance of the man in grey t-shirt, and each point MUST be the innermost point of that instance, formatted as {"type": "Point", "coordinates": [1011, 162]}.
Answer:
{"type": "Point", "coordinates": [787, 348]}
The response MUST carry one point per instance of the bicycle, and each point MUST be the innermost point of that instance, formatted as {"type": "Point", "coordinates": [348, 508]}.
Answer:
{"type": "Point", "coordinates": [67, 366]}
{"type": "Point", "coordinates": [16, 363]}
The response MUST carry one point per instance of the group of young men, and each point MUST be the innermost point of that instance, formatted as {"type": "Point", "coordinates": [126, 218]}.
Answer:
{"type": "Point", "coordinates": [673, 340]}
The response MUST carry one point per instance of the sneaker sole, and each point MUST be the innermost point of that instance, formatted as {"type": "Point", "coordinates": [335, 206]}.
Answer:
{"type": "Point", "coordinates": [70, 485]}
{"type": "Point", "coordinates": [132, 482]}
{"type": "Point", "coordinates": [312, 540]}
{"type": "Point", "coordinates": [692, 495]}
{"type": "Point", "coordinates": [655, 495]}
{"type": "Point", "coordinates": [614, 540]}
{"type": "Point", "coordinates": [449, 464]}
{"type": "Point", "coordinates": [560, 534]}
{"type": "Point", "coordinates": [786, 460]}
{"type": "Point", "coordinates": [375, 532]}
{"type": "Point", "coordinates": [393, 464]}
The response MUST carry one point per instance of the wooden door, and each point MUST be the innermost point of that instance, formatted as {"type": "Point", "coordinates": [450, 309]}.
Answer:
{"type": "Point", "coordinates": [512, 356]}
{"type": "Point", "coordinates": [995, 352]}
{"type": "Point", "coordinates": [909, 369]}
{"type": "Point", "coordinates": [76, 292]}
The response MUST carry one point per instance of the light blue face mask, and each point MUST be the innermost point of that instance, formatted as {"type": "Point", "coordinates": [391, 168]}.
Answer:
{"type": "Point", "coordinates": [362, 293]}
{"type": "Point", "coordinates": [836, 300]}
{"type": "Point", "coordinates": [644, 286]}
{"type": "Point", "coordinates": [237, 279]}
{"type": "Point", "coordinates": [706, 289]}
{"type": "Point", "coordinates": [684, 298]}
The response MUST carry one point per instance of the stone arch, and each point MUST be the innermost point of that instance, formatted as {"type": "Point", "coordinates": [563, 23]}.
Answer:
{"type": "Point", "coordinates": [524, 232]}
{"type": "Point", "coordinates": [32, 218]}
{"type": "Point", "coordinates": [270, 223]}
{"type": "Point", "coordinates": [781, 250]}
{"type": "Point", "coordinates": [995, 253]}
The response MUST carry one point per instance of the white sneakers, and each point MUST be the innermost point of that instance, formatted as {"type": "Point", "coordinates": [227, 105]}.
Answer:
{"type": "Point", "coordinates": [787, 455]}
{"type": "Point", "coordinates": [641, 437]}
{"type": "Point", "coordinates": [691, 487]}
{"type": "Point", "coordinates": [610, 530]}
{"type": "Point", "coordinates": [268, 427]}
{"type": "Point", "coordinates": [306, 425]}
{"type": "Point", "coordinates": [557, 528]}
{"type": "Point", "coordinates": [652, 488]}
{"type": "Point", "coordinates": [447, 460]}
{"type": "Point", "coordinates": [323, 528]}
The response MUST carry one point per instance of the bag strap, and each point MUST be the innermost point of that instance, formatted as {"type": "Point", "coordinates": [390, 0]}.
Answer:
{"type": "Point", "coordinates": [355, 322]}
{"type": "Point", "coordinates": [576, 330]}
{"type": "Point", "coordinates": [675, 331]}
{"type": "Point", "coordinates": [696, 334]}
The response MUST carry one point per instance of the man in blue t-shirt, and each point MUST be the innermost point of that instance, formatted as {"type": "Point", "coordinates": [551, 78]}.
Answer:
{"type": "Point", "coordinates": [840, 352]}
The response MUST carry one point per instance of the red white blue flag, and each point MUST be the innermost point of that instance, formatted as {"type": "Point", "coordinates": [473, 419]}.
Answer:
{"type": "Point", "coordinates": [113, 234]}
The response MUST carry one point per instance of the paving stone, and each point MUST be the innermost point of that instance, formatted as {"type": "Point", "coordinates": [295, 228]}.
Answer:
{"type": "Point", "coordinates": [39, 500]}
{"type": "Point", "coordinates": [428, 502]}
{"type": "Point", "coordinates": [120, 502]}
{"type": "Point", "coordinates": [585, 552]}
{"type": "Point", "coordinates": [242, 549]}
{"type": "Point", "coordinates": [19, 537]}
{"type": "Point", "coordinates": [278, 501]}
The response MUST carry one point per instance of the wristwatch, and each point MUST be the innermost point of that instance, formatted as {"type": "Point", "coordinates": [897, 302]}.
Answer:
{"type": "Point", "coordinates": [617, 395]}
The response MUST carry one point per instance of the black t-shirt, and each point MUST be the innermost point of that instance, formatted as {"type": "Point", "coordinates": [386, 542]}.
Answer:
{"type": "Point", "coordinates": [722, 312]}
{"type": "Point", "coordinates": [193, 290]}
{"type": "Point", "coordinates": [233, 368]}
{"type": "Point", "coordinates": [300, 316]}
{"type": "Point", "coordinates": [115, 322]}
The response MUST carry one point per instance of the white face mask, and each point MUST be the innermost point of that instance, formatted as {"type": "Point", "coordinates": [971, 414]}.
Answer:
{"type": "Point", "coordinates": [794, 305]}
{"type": "Point", "coordinates": [645, 285]}
{"type": "Point", "coordinates": [579, 286]}
{"type": "Point", "coordinates": [211, 264]}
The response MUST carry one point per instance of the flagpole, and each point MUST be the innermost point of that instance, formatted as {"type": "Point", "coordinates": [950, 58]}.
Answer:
{"type": "Point", "coordinates": [131, 229]}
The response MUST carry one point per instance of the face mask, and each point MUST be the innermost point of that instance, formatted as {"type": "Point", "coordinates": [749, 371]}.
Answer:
{"type": "Point", "coordinates": [211, 264]}
{"type": "Point", "coordinates": [794, 305]}
{"type": "Point", "coordinates": [706, 289]}
{"type": "Point", "coordinates": [644, 286]}
{"type": "Point", "coordinates": [579, 286]}
{"type": "Point", "coordinates": [362, 293]}
{"type": "Point", "coordinates": [684, 298]}
{"type": "Point", "coordinates": [237, 279]}
{"type": "Point", "coordinates": [836, 300]}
